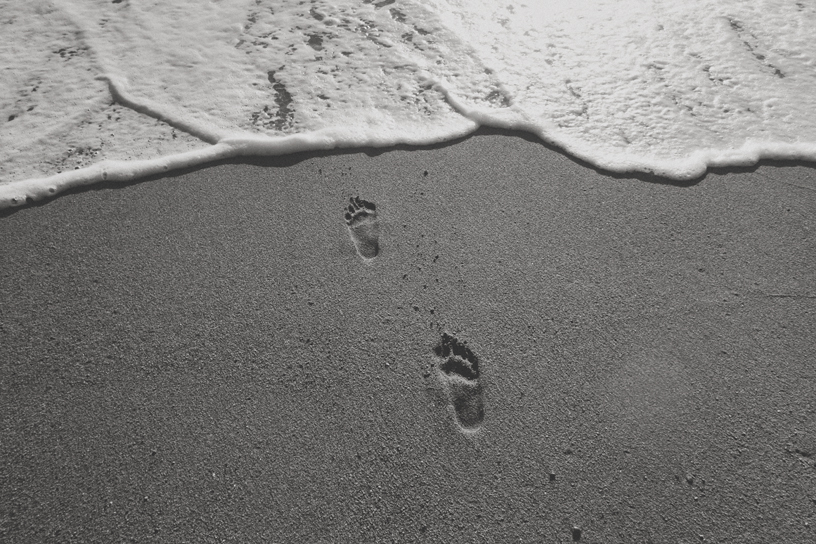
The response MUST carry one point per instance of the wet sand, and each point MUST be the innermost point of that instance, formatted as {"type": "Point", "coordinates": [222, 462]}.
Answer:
{"type": "Point", "coordinates": [205, 357]}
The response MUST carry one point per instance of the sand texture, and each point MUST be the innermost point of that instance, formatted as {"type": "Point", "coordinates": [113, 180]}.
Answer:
{"type": "Point", "coordinates": [507, 346]}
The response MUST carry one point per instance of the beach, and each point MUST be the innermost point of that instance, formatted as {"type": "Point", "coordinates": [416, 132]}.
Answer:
{"type": "Point", "coordinates": [204, 356]}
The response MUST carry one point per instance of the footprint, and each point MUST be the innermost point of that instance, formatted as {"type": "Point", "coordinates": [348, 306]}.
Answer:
{"type": "Point", "coordinates": [364, 227]}
{"type": "Point", "coordinates": [460, 369]}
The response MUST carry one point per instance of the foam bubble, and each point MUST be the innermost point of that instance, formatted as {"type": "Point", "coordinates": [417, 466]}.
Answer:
{"type": "Point", "coordinates": [111, 91]}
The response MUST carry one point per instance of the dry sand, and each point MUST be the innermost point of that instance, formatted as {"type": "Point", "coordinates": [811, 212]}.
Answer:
{"type": "Point", "coordinates": [205, 357]}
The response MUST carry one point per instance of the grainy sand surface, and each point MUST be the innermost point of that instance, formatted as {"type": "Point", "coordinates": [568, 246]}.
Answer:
{"type": "Point", "coordinates": [206, 358]}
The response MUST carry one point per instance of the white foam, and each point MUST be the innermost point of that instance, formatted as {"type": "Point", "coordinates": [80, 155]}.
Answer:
{"type": "Point", "coordinates": [664, 87]}
{"type": "Point", "coordinates": [97, 91]}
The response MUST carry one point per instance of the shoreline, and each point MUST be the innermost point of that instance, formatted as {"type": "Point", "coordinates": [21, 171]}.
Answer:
{"type": "Point", "coordinates": [270, 151]}
{"type": "Point", "coordinates": [205, 355]}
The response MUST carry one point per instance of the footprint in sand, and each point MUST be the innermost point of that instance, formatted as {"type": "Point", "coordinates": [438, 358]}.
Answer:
{"type": "Point", "coordinates": [364, 227]}
{"type": "Point", "coordinates": [460, 369]}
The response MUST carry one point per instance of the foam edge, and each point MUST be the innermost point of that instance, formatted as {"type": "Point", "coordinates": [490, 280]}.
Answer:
{"type": "Point", "coordinates": [238, 144]}
{"type": "Point", "coordinates": [691, 167]}
{"type": "Point", "coordinates": [19, 193]}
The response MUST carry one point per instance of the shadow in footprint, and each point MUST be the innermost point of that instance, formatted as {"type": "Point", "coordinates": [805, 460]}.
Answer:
{"type": "Point", "coordinates": [364, 227]}
{"type": "Point", "coordinates": [460, 370]}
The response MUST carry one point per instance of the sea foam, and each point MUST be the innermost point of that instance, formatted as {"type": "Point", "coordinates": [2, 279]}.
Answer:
{"type": "Point", "coordinates": [113, 91]}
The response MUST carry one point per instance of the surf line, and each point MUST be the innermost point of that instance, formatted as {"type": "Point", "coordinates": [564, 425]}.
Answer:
{"type": "Point", "coordinates": [223, 145]}
{"type": "Point", "coordinates": [18, 193]}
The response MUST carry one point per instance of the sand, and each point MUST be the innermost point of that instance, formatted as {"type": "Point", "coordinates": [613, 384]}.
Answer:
{"type": "Point", "coordinates": [205, 357]}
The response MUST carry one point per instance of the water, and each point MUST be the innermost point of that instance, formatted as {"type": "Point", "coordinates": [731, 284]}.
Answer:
{"type": "Point", "coordinates": [95, 90]}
